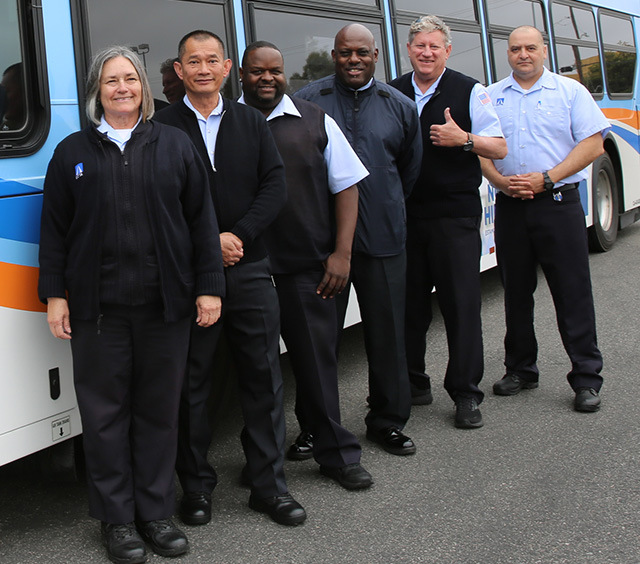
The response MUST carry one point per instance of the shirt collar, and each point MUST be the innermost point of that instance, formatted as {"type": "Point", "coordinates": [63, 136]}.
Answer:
{"type": "Point", "coordinates": [545, 81]}
{"type": "Point", "coordinates": [217, 111]}
{"type": "Point", "coordinates": [118, 136]}
{"type": "Point", "coordinates": [285, 106]}
{"type": "Point", "coordinates": [429, 90]}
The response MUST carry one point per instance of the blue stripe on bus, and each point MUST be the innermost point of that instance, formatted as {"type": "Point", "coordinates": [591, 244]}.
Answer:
{"type": "Point", "coordinates": [20, 218]}
{"type": "Point", "coordinates": [17, 252]}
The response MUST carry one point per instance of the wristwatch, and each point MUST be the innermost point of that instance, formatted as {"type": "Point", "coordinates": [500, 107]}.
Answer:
{"type": "Point", "coordinates": [548, 183]}
{"type": "Point", "coordinates": [468, 145]}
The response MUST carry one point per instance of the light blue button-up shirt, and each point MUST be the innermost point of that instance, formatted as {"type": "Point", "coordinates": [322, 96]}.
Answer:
{"type": "Point", "coordinates": [209, 126]}
{"type": "Point", "coordinates": [484, 121]}
{"type": "Point", "coordinates": [543, 124]}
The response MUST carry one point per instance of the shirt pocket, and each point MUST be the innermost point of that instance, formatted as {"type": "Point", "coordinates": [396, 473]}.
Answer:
{"type": "Point", "coordinates": [507, 121]}
{"type": "Point", "coordinates": [549, 120]}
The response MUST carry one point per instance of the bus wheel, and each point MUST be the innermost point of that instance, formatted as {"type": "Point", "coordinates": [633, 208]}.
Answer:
{"type": "Point", "coordinates": [603, 232]}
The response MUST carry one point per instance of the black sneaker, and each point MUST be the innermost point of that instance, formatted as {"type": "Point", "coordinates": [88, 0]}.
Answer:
{"type": "Point", "coordinates": [163, 537]}
{"type": "Point", "coordinates": [123, 543]}
{"type": "Point", "coordinates": [468, 414]}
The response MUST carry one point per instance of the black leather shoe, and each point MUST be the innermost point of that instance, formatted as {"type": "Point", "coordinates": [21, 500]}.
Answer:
{"type": "Point", "coordinates": [195, 508]}
{"type": "Point", "coordinates": [163, 537]}
{"type": "Point", "coordinates": [468, 414]}
{"type": "Point", "coordinates": [510, 385]}
{"type": "Point", "coordinates": [302, 448]}
{"type": "Point", "coordinates": [587, 399]}
{"type": "Point", "coordinates": [282, 509]}
{"type": "Point", "coordinates": [392, 440]}
{"type": "Point", "coordinates": [350, 477]}
{"type": "Point", "coordinates": [123, 543]}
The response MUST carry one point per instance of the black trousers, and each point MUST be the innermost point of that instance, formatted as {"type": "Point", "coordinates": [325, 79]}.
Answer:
{"type": "Point", "coordinates": [251, 321]}
{"type": "Point", "coordinates": [552, 234]}
{"type": "Point", "coordinates": [310, 331]}
{"type": "Point", "coordinates": [128, 377]}
{"type": "Point", "coordinates": [445, 253]}
{"type": "Point", "coordinates": [380, 285]}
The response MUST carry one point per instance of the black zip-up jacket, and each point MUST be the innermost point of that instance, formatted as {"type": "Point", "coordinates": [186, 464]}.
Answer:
{"type": "Point", "coordinates": [248, 184]}
{"type": "Point", "coordinates": [163, 164]}
{"type": "Point", "coordinates": [382, 126]}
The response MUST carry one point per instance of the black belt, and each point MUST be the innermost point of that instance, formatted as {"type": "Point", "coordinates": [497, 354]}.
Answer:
{"type": "Point", "coordinates": [556, 191]}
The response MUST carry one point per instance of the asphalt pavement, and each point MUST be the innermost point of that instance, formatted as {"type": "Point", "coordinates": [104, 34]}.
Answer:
{"type": "Point", "coordinates": [539, 483]}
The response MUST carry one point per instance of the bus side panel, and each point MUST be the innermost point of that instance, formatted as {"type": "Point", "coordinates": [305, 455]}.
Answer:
{"type": "Point", "coordinates": [37, 403]}
{"type": "Point", "coordinates": [626, 131]}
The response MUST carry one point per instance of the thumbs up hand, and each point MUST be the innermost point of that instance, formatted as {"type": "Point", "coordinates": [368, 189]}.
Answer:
{"type": "Point", "coordinates": [449, 134]}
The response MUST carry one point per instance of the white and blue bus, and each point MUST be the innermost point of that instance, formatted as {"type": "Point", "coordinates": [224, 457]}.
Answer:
{"type": "Point", "coordinates": [45, 46]}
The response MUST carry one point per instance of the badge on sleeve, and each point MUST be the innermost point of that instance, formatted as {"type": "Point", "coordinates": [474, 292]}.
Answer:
{"type": "Point", "coordinates": [79, 170]}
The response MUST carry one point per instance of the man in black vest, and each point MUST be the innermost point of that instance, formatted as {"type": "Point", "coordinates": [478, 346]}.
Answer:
{"type": "Point", "coordinates": [247, 182]}
{"type": "Point", "coordinates": [444, 212]}
{"type": "Point", "coordinates": [310, 260]}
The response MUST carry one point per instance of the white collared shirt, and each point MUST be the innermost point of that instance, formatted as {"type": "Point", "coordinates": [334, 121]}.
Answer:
{"type": "Point", "coordinates": [344, 168]}
{"type": "Point", "coordinates": [119, 136]}
{"type": "Point", "coordinates": [209, 126]}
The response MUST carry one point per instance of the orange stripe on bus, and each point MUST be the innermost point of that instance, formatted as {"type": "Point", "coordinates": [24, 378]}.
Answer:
{"type": "Point", "coordinates": [19, 287]}
{"type": "Point", "coordinates": [628, 117]}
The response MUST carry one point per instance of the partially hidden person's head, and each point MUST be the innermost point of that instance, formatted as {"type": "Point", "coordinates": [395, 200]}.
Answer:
{"type": "Point", "coordinates": [172, 86]}
{"type": "Point", "coordinates": [118, 87]}
{"type": "Point", "coordinates": [262, 74]}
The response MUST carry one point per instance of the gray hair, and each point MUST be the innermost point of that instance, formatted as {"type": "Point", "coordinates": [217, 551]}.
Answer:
{"type": "Point", "coordinates": [93, 106]}
{"type": "Point", "coordinates": [428, 24]}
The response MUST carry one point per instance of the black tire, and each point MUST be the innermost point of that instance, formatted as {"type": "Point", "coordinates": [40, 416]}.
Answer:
{"type": "Point", "coordinates": [604, 200]}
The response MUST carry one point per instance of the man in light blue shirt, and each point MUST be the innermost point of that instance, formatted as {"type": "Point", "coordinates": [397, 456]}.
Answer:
{"type": "Point", "coordinates": [554, 130]}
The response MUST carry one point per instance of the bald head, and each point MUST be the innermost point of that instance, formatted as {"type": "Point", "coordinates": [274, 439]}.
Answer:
{"type": "Point", "coordinates": [354, 56]}
{"type": "Point", "coordinates": [530, 31]}
{"type": "Point", "coordinates": [354, 31]}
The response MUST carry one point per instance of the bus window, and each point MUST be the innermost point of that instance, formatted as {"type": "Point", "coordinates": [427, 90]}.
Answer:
{"type": "Point", "coordinates": [570, 22]}
{"type": "Point", "coordinates": [581, 64]}
{"type": "Point", "coordinates": [13, 103]}
{"type": "Point", "coordinates": [577, 53]}
{"type": "Point", "coordinates": [155, 39]}
{"type": "Point", "coordinates": [306, 42]}
{"type": "Point", "coordinates": [451, 9]}
{"type": "Point", "coordinates": [466, 53]}
{"type": "Point", "coordinates": [513, 14]}
{"type": "Point", "coordinates": [24, 115]}
{"type": "Point", "coordinates": [619, 54]}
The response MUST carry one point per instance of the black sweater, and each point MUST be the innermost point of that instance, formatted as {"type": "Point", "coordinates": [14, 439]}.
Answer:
{"type": "Point", "coordinates": [163, 164]}
{"type": "Point", "coordinates": [248, 184]}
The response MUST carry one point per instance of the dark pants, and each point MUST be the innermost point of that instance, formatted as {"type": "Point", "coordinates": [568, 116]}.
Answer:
{"type": "Point", "coordinates": [445, 253]}
{"type": "Point", "coordinates": [251, 321]}
{"type": "Point", "coordinates": [310, 331]}
{"type": "Point", "coordinates": [380, 286]}
{"type": "Point", "coordinates": [553, 234]}
{"type": "Point", "coordinates": [128, 378]}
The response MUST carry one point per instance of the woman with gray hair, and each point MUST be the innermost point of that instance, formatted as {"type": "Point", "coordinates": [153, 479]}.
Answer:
{"type": "Point", "coordinates": [129, 243]}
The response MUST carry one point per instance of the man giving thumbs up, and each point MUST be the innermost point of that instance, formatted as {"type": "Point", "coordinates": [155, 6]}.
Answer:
{"type": "Point", "coordinates": [443, 216]}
